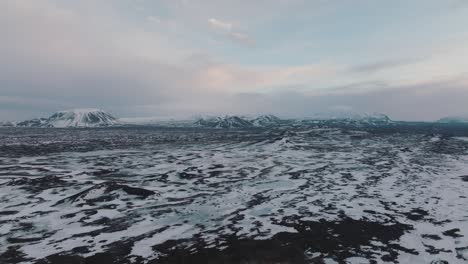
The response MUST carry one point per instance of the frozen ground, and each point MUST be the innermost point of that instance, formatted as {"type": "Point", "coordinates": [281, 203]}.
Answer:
{"type": "Point", "coordinates": [299, 195]}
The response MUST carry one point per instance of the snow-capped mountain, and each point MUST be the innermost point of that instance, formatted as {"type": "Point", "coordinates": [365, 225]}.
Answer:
{"type": "Point", "coordinates": [224, 122]}
{"type": "Point", "coordinates": [99, 118]}
{"type": "Point", "coordinates": [36, 122]}
{"type": "Point", "coordinates": [7, 124]}
{"type": "Point", "coordinates": [265, 120]}
{"type": "Point", "coordinates": [73, 118]}
{"type": "Point", "coordinates": [454, 119]}
{"type": "Point", "coordinates": [238, 121]}
{"type": "Point", "coordinates": [331, 118]}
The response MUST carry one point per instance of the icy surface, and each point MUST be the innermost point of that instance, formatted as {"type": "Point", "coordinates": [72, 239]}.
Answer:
{"type": "Point", "coordinates": [297, 195]}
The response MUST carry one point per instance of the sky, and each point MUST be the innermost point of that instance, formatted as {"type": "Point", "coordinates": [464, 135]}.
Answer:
{"type": "Point", "coordinates": [179, 58]}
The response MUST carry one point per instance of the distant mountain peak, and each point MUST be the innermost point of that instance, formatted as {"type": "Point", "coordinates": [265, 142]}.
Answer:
{"type": "Point", "coordinates": [350, 115]}
{"type": "Point", "coordinates": [224, 122]}
{"type": "Point", "coordinates": [454, 119]}
{"type": "Point", "coordinates": [265, 120]}
{"type": "Point", "coordinates": [86, 117]}
{"type": "Point", "coordinates": [233, 121]}
{"type": "Point", "coordinates": [349, 118]}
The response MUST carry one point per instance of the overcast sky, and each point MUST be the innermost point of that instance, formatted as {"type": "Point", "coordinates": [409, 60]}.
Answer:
{"type": "Point", "coordinates": [292, 58]}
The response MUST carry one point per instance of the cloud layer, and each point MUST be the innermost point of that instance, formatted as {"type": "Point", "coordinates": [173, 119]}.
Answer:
{"type": "Point", "coordinates": [133, 59]}
{"type": "Point", "coordinates": [228, 30]}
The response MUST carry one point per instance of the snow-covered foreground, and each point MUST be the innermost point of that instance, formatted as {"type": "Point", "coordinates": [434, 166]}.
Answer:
{"type": "Point", "coordinates": [299, 195]}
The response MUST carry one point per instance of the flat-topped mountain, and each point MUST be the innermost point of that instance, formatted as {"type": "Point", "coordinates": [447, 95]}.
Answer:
{"type": "Point", "coordinates": [73, 118]}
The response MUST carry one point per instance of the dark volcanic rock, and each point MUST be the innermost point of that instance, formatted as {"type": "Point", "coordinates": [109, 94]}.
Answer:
{"type": "Point", "coordinates": [452, 233]}
{"type": "Point", "coordinates": [433, 237]}
{"type": "Point", "coordinates": [115, 253]}
{"type": "Point", "coordinates": [462, 253]}
{"type": "Point", "coordinates": [12, 255]}
{"type": "Point", "coordinates": [337, 240]}
{"type": "Point", "coordinates": [416, 214]}
{"type": "Point", "coordinates": [8, 212]}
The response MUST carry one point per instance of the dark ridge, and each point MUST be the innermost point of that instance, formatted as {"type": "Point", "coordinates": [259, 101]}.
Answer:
{"type": "Point", "coordinates": [39, 183]}
{"type": "Point", "coordinates": [433, 237]}
{"type": "Point", "coordinates": [115, 253]}
{"type": "Point", "coordinates": [108, 188]}
{"type": "Point", "coordinates": [8, 213]}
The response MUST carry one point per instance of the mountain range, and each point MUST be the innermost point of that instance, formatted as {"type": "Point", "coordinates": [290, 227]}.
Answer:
{"type": "Point", "coordinates": [86, 118]}
{"type": "Point", "coordinates": [238, 121]}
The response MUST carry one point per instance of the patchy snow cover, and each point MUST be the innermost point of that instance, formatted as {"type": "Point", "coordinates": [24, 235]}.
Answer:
{"type": "Point", "coordinates": [328, 195]}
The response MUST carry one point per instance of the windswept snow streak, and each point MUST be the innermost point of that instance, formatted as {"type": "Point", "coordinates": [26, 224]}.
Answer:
{"type": "Point", "coordinates": [207, 196]}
